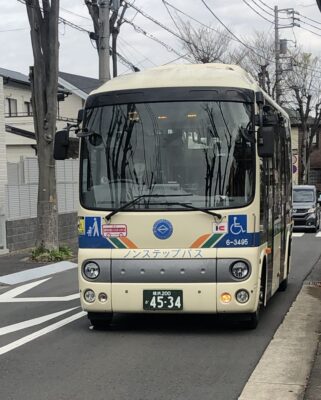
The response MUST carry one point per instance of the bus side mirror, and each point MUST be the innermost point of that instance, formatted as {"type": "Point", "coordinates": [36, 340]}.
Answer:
{"type": "Point", "coordinates": [61, 145]}
{"type": "Point", "coordinates": [265, 143]}
{"type": "Point", "coordinates": [80, 116]}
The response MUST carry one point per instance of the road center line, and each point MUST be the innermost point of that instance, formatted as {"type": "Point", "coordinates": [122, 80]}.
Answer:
{"type": "Point", "coordinates": [44, 331]}
{"type": "Point", "coordinates": [32, 322]}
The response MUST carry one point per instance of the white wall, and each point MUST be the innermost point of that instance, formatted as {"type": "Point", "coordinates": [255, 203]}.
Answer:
{"type": "Point", "coordinates": [70, 106]}
{"type": "Point", "coordinates": [3, 172]}
{"type": "Point", "coordinates": [3, 156]}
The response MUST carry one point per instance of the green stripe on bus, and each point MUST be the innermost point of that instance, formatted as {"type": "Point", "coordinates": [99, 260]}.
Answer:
{"type": "Point", "coordinates": [118, 244]}
{"type": "Point", "coordinates": [212, 240]}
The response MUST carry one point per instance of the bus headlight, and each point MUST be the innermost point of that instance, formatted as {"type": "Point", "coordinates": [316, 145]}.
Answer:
{"type": "Point", "coordinates": [240, 270]}
{"type": "Point", "coordinates": [89, 296]}
{"type": "Point", "coordinates": [242, 296]}
{"type": "Point", "coordinates": [91, 270]}
{"type": "Point", "coordinates": [311, 210]}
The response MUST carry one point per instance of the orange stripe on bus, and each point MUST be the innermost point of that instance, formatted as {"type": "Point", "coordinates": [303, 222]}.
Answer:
{"type": "Point", "coordinates": [199, 241]}
{"type": "Point", "coordinates": [128, 243]}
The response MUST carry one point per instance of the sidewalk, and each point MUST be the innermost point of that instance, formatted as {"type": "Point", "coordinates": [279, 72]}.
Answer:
{"type": "Point", "coordinates": [19, 260]}
{"type": "Point", "coordinates": [290, 368]}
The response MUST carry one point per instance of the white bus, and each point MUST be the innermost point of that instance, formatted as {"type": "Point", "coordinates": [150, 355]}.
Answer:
{"type": "Point", "coordinates": [185, 194]}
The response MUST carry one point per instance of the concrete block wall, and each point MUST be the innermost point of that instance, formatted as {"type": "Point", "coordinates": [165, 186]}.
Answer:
{"type": "Point", "coordinates": [22, 233]}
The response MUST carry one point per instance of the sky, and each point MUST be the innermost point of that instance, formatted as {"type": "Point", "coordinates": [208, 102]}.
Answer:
{"type": "Point", "coordinates": [78, 55]}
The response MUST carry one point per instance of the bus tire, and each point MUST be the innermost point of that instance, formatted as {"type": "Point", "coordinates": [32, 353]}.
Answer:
{"type": "Point", "coordinates": [100, 320]}
{"type": "Point", "coordinates": [252, 319]}
{"type": "Point", "coordinates": [283, 285]}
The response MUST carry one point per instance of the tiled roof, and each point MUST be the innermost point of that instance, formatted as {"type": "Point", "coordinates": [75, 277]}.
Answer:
{"type": "Point", "coordinates": [15, 76]}
{"type": "Point", "coordinates": [81, 82]}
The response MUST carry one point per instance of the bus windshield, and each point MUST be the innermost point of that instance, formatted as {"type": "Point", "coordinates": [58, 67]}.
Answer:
{"type": "Point", "coordinates": [303, 196]}
{"type": "Point", "coordinates": [201, 151]}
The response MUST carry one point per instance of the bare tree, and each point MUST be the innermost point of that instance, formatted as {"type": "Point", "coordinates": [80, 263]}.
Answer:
{"type": "Point", "coordinates": [304, 97]}
{"type": "Point", "coordinates": [44, 78]}
{"type": "Point", "coordinates": [257, 59]}
{"type": "Point", "coordinates": [115, 22]}
{"type": "Point", "coordinates": [205, 45]}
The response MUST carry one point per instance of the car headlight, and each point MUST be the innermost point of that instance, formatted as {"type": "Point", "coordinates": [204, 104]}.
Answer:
{"type": "Point", "coordinates": [311, 210]}
{"type": "Point", "coordinates": [91, 270]}
{"type": "Point", "coordinates": [240, 270]}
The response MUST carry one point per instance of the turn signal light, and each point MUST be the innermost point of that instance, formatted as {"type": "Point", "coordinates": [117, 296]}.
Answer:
{"type": "Point", "coordinates": [226, 298]}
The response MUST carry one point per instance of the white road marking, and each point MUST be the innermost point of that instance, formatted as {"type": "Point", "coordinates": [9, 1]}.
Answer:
{"type": "Point", "coordinates": [10, 295]}
{"type": "Point", "coordinates": [44, 331]}
{"type": "Point", "coordinates": [39, 272]}
{"type": "Point", "coordinates": [22, 289]}
{"type": "Point", "coordinates": [297, 234]}
{"type": "Point", "coordinates": [32, 322]}
{"type": "Point", "coordinates": [318, 234]}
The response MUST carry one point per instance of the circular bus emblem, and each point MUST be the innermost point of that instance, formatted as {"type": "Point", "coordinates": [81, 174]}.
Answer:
{"type": "Point", "coordinates": [163, 229]}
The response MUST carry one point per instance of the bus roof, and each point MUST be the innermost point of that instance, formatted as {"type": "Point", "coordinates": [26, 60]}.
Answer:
{"type": "Point", "coordinates": [182, 75]}
{"type": "Point", "coordinates": [186, 75]}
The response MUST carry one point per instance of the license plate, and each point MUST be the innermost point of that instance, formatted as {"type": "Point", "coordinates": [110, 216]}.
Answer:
{"type": "Point", "coordinates": [163, 299]}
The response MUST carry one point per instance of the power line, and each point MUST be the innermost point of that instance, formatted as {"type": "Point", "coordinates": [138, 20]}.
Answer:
{"type": "Point", "coordinates": [13, 30]}
{"type": "Point", "coordinates": [312, 26]}
{"type": "Point", "coordinates": [150, 36]}
{"type": "Point", "coordinates": [172, 18]}
{"type": "Point", "coordinates": [199, 22]}
{"type": "Point", "coordinates": [309, 30]}
{"type": "Point", "coordinates": [309, 19]}
{"type": "Point", "coordinates": [258, 13]}
{"type": "Point", "coordinates": [155, 21]}
{"type": "Point", "coordinates": [240, 41]}
{"type": "Point", "coordinates": [266, 5]}
{"type": "Point", "coordinates": [121, 58]}
{"type": "Point", "coordinates": [262, 8]}
{"type": "Point", "coordinates": [262, 16]}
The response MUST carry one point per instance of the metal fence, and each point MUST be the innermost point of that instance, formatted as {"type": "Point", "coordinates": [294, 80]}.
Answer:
{"type": "Point", "coordinates": [22, 188]}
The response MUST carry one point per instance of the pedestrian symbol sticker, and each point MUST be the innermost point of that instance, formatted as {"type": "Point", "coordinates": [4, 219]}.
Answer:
{"type": "Point", "coordinates": [93, 226]}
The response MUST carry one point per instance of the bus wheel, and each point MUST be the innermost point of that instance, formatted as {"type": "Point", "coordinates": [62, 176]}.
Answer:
{"type": "Point", "coordinates": [100, 320]}
{"type": "Point", "coordinates": [283, 285]}
{"type": "Point", "coordinates": [252, 319]}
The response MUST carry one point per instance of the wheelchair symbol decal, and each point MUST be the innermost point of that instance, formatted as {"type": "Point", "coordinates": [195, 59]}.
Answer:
{"type": "Point", "coordinates": [237, 224]}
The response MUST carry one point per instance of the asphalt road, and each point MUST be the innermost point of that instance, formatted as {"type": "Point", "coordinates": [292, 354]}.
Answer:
{"type": "Point", "coordinates": [141, 357]}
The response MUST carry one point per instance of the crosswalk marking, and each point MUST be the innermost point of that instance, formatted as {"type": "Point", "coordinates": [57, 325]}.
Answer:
{"type": "Point", "coordinates": [318, 234]}
{"type": "Point", "coordinates": [297, 234]}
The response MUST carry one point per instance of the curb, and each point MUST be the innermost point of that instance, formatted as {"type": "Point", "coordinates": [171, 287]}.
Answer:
{"type": "Point", "coordinates": [284, 369]}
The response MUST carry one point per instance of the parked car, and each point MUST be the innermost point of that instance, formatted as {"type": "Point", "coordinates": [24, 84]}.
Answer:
{"type": "Point", "coordinates": [306, 209]}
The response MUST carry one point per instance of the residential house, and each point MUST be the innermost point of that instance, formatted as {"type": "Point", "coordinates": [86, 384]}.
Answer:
{"type": "Point", "coordinates": [18, 151]}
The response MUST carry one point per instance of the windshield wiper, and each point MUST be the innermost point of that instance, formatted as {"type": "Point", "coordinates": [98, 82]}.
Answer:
{"type": "Point", "coordinates": [186, 205]}
{"type": "Point", "coordinates": [136, 200]}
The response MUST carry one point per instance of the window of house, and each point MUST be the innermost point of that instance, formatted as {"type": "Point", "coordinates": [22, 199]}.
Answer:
{"type": "Point", "coordinates": [27, 108]}
{"type": "Point", "coordinates": [10, 107]}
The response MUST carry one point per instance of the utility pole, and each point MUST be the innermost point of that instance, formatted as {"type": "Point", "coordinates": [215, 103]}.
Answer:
{"type": "Point", "coordinates": [103, 42]}
{"type": "Point", "coordinates": [277, 56]}
{"type": "Point", "coordinates": [281, 46]}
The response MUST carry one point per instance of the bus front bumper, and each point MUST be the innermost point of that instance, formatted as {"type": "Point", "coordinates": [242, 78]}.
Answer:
{"type": "Point", "coordinates": [205, 286]}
